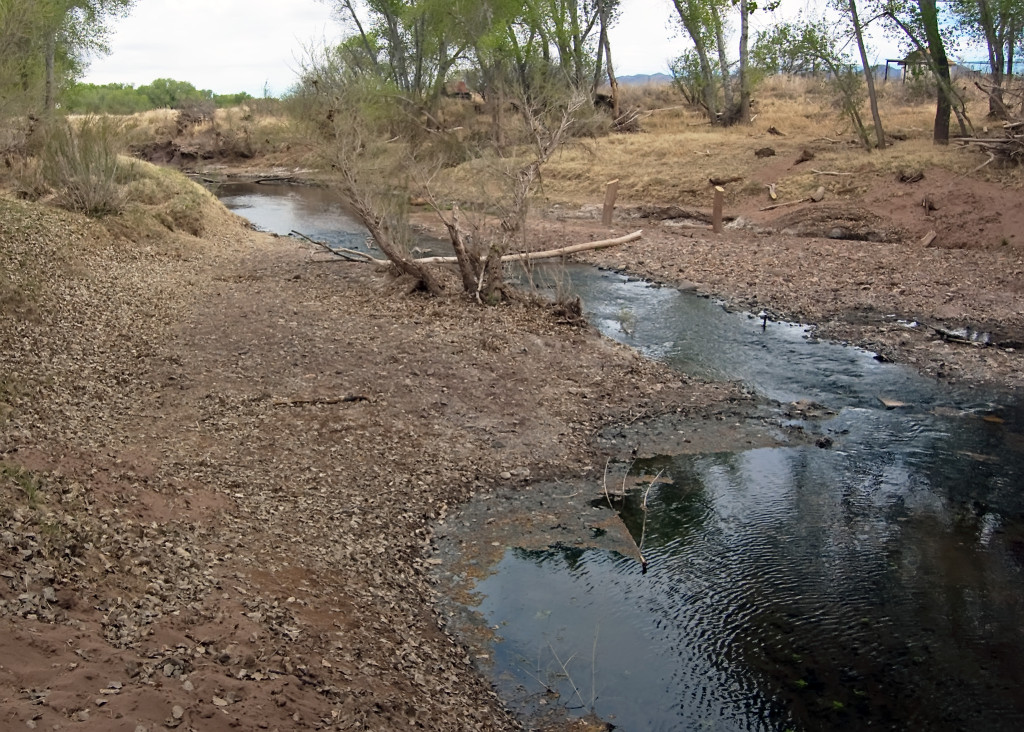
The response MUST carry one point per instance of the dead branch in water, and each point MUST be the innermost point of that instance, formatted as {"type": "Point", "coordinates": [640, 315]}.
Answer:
{"type": "Point", "coordinates": [340, 252]}
{"type": "Point", "coordinates": [530, 256]}
{"type": "Point", "coordinates": [643, 530]}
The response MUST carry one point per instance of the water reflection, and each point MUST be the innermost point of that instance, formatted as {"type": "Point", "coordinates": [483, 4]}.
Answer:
{"type": "Point", "coordinates": [779, 595]}
{"type": "Point", "coordinates": [281, 209]}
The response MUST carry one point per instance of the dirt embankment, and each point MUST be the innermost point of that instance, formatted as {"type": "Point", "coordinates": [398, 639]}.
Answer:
{"type": "Point", "coordinates": [854, 266]}
{"type": "Point", "coordinates": [221, 463]}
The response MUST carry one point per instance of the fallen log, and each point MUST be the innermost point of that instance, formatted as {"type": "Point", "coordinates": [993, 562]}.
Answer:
{"type": "Point", "coordinates": [520, 257]}
{"type": "Point", "coordinates": [339, 252]}
{"type": "Point", "coordinates": [814, 198]}
{"type": "Point", "coordinates": [546, 254]}
{"type": "Point", "coordinates": [312, 401]}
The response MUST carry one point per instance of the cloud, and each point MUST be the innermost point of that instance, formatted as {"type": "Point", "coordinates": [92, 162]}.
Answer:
{"type": "Point", "coordinates": [223, 45]}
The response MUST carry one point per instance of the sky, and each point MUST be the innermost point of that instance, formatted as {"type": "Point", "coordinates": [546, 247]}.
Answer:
{"type": "Point", "coordinates": [248, 45]}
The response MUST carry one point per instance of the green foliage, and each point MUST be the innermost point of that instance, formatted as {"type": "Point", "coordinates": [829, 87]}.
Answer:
{"type": "Point", "coordinates": [789, 48]}
{"type": "Point", "coordinates": [82, 163]}
{"type": "Point", "coordinates": [231, 100]}
{"type": "Point", "coordinates": [417, 45]}
{"type": "Point", "coordinates": [689, 78]}
{"type": "Point", "coordinates": [104, 99]}
{"type": "Point", "coordinates": [127, 99]}
{"type": "Point", "coordinates": [22, 28]}
{"type": "Point", "coordinates": [171, 94]}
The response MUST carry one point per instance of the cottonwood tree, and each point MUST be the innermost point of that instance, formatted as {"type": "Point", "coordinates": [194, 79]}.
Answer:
{"type": "Point", "coordinates": [783, 48]}
{"type": "Point", "coordinates": [418, 44]}
{"type": "Point", "coordinates": [705, 22]}
{"type": "Point", "coordinates": [608, 14]}
{"type": "Point", "coordinates": [999, 24]}
{"type": "Point", "coordinates": [812, 46]}
{"type": "Point", "coordinates": [918, 21]}
{"type": "Point", "coordinates": [700, 19]}
{"type": "Point", "coordinates": [413, 42]}
{"type": "Point", "coordinates": [74, 29]}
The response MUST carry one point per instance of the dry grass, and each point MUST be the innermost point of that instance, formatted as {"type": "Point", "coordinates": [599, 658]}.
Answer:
{"type": "Point", "coordinates": [671, 160]}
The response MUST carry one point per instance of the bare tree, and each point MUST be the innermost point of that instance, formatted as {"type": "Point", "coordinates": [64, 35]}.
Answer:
{"type": "Point", "coordinates": [381, 152]}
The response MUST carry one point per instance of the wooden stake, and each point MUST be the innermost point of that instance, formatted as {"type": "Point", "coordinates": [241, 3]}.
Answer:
{"type": "Point", "coordinates": [716, 212]}
{"type": "Point", "coordinates": [610, 192]}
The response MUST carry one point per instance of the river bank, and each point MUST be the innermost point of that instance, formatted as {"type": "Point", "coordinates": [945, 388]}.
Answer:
{"type": "Point", "coordinates": [223, 459]}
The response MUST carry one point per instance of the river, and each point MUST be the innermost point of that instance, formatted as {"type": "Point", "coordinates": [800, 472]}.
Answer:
{"type": "Point", "coordinates": [871, 577]}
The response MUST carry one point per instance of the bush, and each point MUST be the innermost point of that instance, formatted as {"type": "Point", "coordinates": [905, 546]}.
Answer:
{"type": "Point", "coordinates": [82, 164]}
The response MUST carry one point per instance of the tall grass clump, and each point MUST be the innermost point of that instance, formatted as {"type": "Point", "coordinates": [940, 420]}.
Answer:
{"type": "Point", "coordinates": [82, 163]}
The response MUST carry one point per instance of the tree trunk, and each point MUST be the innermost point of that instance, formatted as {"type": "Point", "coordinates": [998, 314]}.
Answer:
{"type": "Point", "coordinates": [710, 89]}
{"type": "Point", "coordinates": [599, 66]}
{"type": "Point", "coordinates": [611, 77]}
{"type": "Point", "coordinates": [869, 75]}
{"type": "Point", "coordinates": [940, 64]}
{"type": "Point", "coordinates": [728, 111]}
{"type": "Point", "coordinates": [994, 41]}
{"type": "Point", "coordinates": [744, 111]}
{"type": "Point", "coordinates": [947, 97]}
{"type": "Point", "coordinates": [49, 94]}
{"type": "Point", "coordinates": [1012, 39]}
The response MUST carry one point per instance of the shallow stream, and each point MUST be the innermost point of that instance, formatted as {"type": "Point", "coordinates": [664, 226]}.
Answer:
{"type": "Point", "coordinates": [876, 580]}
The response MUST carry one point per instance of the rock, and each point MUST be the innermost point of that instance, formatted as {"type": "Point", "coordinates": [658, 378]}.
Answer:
{"type": "Point", "coordinates": [804, 157]}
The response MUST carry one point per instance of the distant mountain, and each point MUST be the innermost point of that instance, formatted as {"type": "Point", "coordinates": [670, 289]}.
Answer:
{"type": "Point", "coordinates": [635, 79]}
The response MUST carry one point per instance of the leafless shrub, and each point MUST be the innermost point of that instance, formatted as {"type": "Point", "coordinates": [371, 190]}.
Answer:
{"type": "Point", "coordinates": [82, 163]}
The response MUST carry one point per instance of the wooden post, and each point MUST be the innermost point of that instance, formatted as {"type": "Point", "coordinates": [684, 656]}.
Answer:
{"type": "Point", "coordinates": [610, 192]}
{"type": "Point", "coordinates": [716, 212]}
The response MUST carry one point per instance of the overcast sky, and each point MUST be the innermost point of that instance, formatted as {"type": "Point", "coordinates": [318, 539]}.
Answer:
{"type": "Point", "coordinates": [242, 45]}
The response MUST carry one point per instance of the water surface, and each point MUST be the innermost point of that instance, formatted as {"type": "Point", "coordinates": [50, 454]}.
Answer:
{"type": "Point", "coordinates": [878, 582]}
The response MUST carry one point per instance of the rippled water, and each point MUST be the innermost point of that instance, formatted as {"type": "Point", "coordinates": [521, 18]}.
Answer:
{"type": "Point", "coordinates": [877, 583]}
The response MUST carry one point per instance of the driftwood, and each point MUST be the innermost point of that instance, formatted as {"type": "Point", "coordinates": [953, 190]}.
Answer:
{"type": "Point", "coordinates": [547, 254]}
{"type": "Point", "coordinates": [668, 213]}
{"type": "Point", "coordinates": [339, 252]}
{"type": "Point", "coordinates": [520, 257]}
{"type": "Point", "coordinates": [815, 197]}
{"type": "Point", "coordinates": [1009, 147]}
{"type": "Point", "coordinates": [828, 172]}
